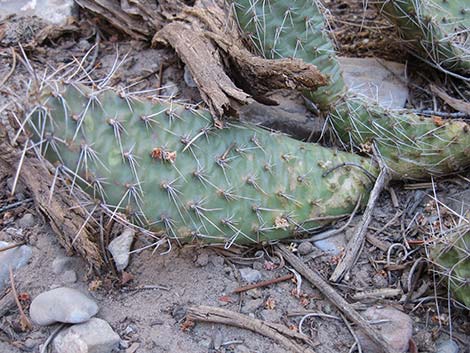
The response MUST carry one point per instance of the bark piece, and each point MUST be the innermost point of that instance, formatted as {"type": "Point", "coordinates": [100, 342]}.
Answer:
{"type": "Point", "coordinates": [66, 219]}
{"type": "Point", "coordinates": [203, 60]}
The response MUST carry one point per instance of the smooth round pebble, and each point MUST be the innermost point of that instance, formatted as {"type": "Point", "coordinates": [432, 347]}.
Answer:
{"type": "Point", "coordinates": [27, 221]}
{"type": "Point", "coordinates": [62, 305]}
{"type": "Point", "coordinates": [305, 248]}
{"type": "Point", "coordinates": [448, 346]}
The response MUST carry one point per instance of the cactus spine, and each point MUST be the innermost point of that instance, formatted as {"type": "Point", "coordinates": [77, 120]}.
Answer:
{"type": "Point", "coordinates": [436, 30]}
{"type": "Point", "coordinates": [412, 146]}
{"type": "Point", "coordinates": [169, 169]}
{"type": "Point", "coordinates": [452, 260]}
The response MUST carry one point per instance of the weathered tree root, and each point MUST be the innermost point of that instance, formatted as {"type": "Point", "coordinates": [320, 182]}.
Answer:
{"type": "Point", "coordinates": [67, 220]}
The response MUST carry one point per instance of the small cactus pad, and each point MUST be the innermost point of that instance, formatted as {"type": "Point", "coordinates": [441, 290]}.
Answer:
{"type": "Point", "coordinates": [452, 260]}
{"type": "Point", "coordinates": [436, 30]}
{"type": "Point", "coordinates": [171, 170]}
{"type": "Point", "coordinates": [412, 146]}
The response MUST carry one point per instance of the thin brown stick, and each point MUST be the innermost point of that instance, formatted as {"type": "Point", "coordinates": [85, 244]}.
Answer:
{"type": "Point", "coordinates": [12, 246]}
{"type": "Point", "coordinates": [7, 302]}
{"type": "Point", "coordinates": [13, 67]}
{"type": "Point", "coordinates": [355, 244]}
{"type": "Point", "coordinates": [336, 299]}
{"type": "Point", "coordinates": [263, 283]}
{"type": "Point", "coordinates": [25, 323]}
{"type": "Point", "coordinates": [279, 333]}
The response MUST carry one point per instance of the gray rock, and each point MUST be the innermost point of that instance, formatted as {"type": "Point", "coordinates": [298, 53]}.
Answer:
{"type": "Point", "coordinates": [202, 259]}
{"type": "Point", "coordinates": [53, 11]}
{"type": "Point", "coordinates": [305, 248]}
{"type": "Point", "coordinates": [258, 265]}
{"type": "Point", "coordinates": [251, 305]}
{"type": "Point", "coordinates": [217, 261]}
{"type": "Point", "coordinates": [381, 80]}
{"type": "Point", "coordinates": [120, 247]}
{"type": "Point", "coordinates": [250, 275]}
{"type": "Point", "coordinates": [448, 346]}
{"type": "Point", "coordinates": [16, 258]}
{"type": "Point", "coordinates": [20, 189]}
{"type": "Point", "coordinates": [27, 221]}
{"type": "Point", "coordinates": [69, 277]}
{"type": "Point", "coordinates": [271, 315]}
{"type": "Point", "coordinates": [62, 305]}
{"type": "Point", "coordinates": [333, 245]}
{"type": "Point", "coordinates": [61, 264]}
{"type": "Point", "coordinates": [396, 331]}
{"type": "Point", "coordinates": [255, 293]}
{"type": "Point", "coordinates": [188, 78]}
{"type": "Point", "coordinates": [93, 336]}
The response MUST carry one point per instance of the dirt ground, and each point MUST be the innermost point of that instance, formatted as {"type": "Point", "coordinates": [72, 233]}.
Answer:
{"type": "Point", "coordinates": [147, 308]}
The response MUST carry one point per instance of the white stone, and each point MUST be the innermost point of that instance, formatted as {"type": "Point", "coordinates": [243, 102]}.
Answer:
{"type": "Point", "coordinates": [380, 80]}
{"type": "Point", "coordinates": [93, 336]}
{"type": "Point", "coordinates": [27, 221]}
{"type": "Point", "coordinates": [249, 275]}
{"type": "Point", "coordinates": [61, 264]}
{"type": "Point", "coordinates": [448, 346]}
{"type": "Point", "coordinates": [120, 247]}
{"type": "Point", "coordinates": [16, 258]}
{"type": "Point", "coordinates": [397, 329]}
{"type": "Point", "coordinates": [53, 11]}
{"type": "Point", "coordinates": [62, 305]}
{"type": "Point", "coordinates": [305, 248]}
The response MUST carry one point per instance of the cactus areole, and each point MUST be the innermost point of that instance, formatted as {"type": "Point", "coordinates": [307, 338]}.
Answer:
{"type": "Point", "coordinates": [169, 169]}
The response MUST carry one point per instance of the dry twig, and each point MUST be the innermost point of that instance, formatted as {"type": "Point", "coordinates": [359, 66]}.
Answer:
{"type": "Point", "coordinates": [279, 333]}
{"type": "Point", "coordinates": [355, 244]}
{"type": "Point", "coordinates": [329, 292]}
{"type": "Point", "coordinates": [264, 283]}
{"type": "Point", "coordinates": [24, 321]}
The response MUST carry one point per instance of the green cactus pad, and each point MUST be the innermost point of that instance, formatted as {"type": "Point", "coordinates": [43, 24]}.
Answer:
{"type": "Point", "coordinates": [169, 169]}
{"type": "Point", "coordinates": [413, 147]}
{"type": "Point", "coordinates": [436, 30]}
{"type": "Point", "coordinates": [452, 260]}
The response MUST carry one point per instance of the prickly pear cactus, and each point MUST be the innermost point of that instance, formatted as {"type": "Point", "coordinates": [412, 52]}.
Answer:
{"type": "Point", "coordinates": [436, 30]}
{"type": "Point", "coordinates": [169, 169]}
{"type": "Point", "coordinates": [412, 146]}
{"type": "Point", "coordinates": [452, 260]}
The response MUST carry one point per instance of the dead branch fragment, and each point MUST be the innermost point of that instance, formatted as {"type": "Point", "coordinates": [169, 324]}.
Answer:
{"type": "Point", "coordinates": [7, 303]}
{"type": "Point", "coordinates": [129, 23]}
{"type": "Point", "coordinates": [263, 283]}
{"type": "Point", "coordinates": [355, 244]}
{"type": "Point", "coordinates": [24, 321]}
{"type": "Point", "coordinates": [65, 218]}
{"type": "Point", "coordinates": [336, 299]}
{"type": "Point", "coordinates": [279, 333]}
{"type": "Point", "coordinates": [266, 75]}
{"type": "Point", "coordinates": [205, 64]}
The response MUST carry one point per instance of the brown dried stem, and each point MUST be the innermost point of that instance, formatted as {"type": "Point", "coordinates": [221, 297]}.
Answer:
{"type": "Point", "coordinates": [279, 333]}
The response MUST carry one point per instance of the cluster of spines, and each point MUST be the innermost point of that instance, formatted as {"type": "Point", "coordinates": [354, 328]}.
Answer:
{"type": "Point", "coordinates": [436, 30]}
{"type": "Point", "coordinates": [169, 169]}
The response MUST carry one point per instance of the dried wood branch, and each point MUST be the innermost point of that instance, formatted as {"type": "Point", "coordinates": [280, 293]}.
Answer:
{"type": "Point", "coordinates": [356, 243]}
{"type": "Point", "coordinates": [66, 219]}
{"type": "Point", "coordinates": [279, 333]}
{"type": "Point", "coordinates": [336, 299]}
